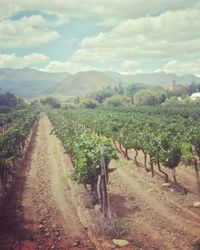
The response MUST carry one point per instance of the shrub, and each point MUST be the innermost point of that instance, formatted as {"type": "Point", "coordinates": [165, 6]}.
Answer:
{"type": "Point", "coordinates": [89, 103]}
{"type": "Point", "coordinates": [117, 101]}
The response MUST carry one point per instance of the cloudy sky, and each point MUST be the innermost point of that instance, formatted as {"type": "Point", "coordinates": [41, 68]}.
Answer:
{"type": "Point", "coordinates": [128, 36]}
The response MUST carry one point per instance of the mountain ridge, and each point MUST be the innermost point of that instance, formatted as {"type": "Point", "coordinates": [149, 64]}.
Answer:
{"type": "Point", "coordinates": [34, 83]}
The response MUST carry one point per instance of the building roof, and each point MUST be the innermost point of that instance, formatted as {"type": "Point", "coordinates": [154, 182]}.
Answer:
{"type": "Point", "coordinates": [197, 94]}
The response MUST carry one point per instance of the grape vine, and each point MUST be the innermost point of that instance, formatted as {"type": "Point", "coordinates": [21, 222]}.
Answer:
{"type": "Point", "coordinates": [165, 136]}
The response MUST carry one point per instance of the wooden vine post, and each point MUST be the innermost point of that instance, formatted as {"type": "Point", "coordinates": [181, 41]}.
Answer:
{"type": "Point", "coordinates": [196, 168]}
{"type": "Point", "coordinates": [103, 187]}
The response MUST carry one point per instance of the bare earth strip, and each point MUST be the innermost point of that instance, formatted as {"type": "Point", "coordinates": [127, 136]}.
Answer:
{"type": "Point", "coordinates": [59, 220]}
{"type": "Point", "coordinates": [159, 217]}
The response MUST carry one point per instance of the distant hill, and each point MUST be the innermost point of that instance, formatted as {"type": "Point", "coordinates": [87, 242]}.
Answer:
{"type": "Point", "coordinates": [160, 78]}
{"type": "Point", "coordinates": [28, 82]}
{"type": "Point", "coordinates": [33, 83]}
{"type": "Point", "coordinates": [84, 82]}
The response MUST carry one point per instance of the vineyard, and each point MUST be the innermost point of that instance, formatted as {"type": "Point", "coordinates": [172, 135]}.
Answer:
{"type": "Point", "coordinates": [167, 137]}
{"type": "Point", "coordinates": [15, 129]}
{"type": "Point", "coordinates": [96, 175]}
{"type": "Point", "coordinates": [160, 140]}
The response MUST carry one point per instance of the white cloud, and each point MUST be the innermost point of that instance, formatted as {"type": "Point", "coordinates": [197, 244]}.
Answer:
{"type": "Point", "coordinates": [35, 58]}
{"type": "Point", "coordinates": [131, 67]}
{"type": "Point", "coordinates": [68, 66]}
{"type": "Point", "coordinates": [91, 55]}
{"type": "Point", "coordinates": [7, 9]}
{"type": "Point", "coordinates": [164, 36]}
{"type": "Point", "coordinates": [134, 42]}
{"type": "Point", "coordinates": [26, 32]}
{"type": "Point", "coordinates": [141, 31]}
{"type": "Point", "coordinates": [13, 61]}
{"type": "Point", "coordinates": [190, 67]}
{"type": "Point", "coordinates": [103, 8]}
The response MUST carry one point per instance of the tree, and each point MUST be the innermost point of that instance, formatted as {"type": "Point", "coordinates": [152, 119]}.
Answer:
{"type": "Point", "coordinates": [193, 87]}
{"type": "Point", "coordinates": [120, 89]}
{"type": "Point", "coordinates": [131, 90]}
{"type": "Point", "coordinates": [149, 97]}
{"type": "Point", "coordinates": [9, 101]}
{"type": "Point", "coordinates": [51, 101]}
{"type": "Point", "coordinates": [117, 101]}
{"type": "Point", "coordinates": [89, 103]}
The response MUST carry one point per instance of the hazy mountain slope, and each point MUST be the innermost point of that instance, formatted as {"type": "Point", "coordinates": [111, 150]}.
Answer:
{"type": "Point", "coordinates": [33, 83]}
{"type": "Point", "coordinates": [84, 82]}
{"type": "Point", "coordinates": [27, 82]}
{"type": "Point", "coordinates": [159, 78]}
{"type": "Point", "coordinates": [187, 79]}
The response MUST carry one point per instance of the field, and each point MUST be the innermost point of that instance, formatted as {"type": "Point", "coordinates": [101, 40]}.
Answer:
{"type": "Point", "coordinates": [153, 186]}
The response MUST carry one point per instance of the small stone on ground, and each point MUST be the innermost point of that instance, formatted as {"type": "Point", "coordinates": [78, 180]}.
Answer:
{"type": "Point", "coordinates": [120, 242]}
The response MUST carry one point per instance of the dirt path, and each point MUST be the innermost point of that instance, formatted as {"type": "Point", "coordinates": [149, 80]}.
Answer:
{"type": "Point", "coordinates": [42, 213]}
{"type": "Point", "coordinates": [159, 218]}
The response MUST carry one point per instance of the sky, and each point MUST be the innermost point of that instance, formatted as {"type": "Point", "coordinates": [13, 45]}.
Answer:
{"type": "Point", "coordinates": [128, 36]}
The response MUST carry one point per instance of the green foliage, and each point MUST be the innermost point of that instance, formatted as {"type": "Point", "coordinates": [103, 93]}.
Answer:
{"type": "Point", "coordinates": [149, 97]}
{"type": "Point", "coordinates": [120, 227]}
{"type": "Point", "coordinates": [124, 90]}
{"type": "Point", "coordinates": [170, 150]}
{"type": "Point", "coordinates": [186, 100]}
{"type": "Point", "coordinates": [89, 103]}
{"type": "Point", "coordinates": [186, 149]}
{"type": "Point", "coordinates": [117, 101]}
{"type": "Point", "coordinates": [132, 89]}
{"type": "Point", "coordinates": [83, 147]}
{"type": "Point", "coordinates": [13, 141]}
{"type": "Point", "coordinates": [193, 87]}
{"type": "Point", "coordinates": [10, 102]}
{"type": "Point", "coordinates": [8, 99]}
{"type": "Point", "coordinates": [164, 133]}
{"type": "Point", "coordinates": [101, 95]}
{"type": "Point", "coordinates": [51, 102]}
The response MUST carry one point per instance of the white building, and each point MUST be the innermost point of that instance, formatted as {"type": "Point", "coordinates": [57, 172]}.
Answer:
{"type": "Point", "coordinates": [195, 96]}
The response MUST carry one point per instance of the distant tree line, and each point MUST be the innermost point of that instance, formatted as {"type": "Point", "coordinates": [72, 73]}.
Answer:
{"type": "Point", "coordinates": [139, 94]}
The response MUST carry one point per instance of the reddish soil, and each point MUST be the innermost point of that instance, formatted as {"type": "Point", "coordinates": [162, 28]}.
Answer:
{"type": "Point", "coordinates": [156, 217]}
{"type": "Point", "coordinates": [46, 210]}
{"type": "Point", "coordinates": [40, 212]}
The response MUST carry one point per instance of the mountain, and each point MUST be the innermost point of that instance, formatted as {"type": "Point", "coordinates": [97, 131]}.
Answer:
{"type": "Point", "coordinates": [187, 79]}
{"type": "Point", "coordinates": [33, 83]}
{"type": "Point", "coordinates": [28, 82]}
{"type": "Point", "coordinates": [159, 78]}
{"type": "Point", "coordinates": [84, 82]}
